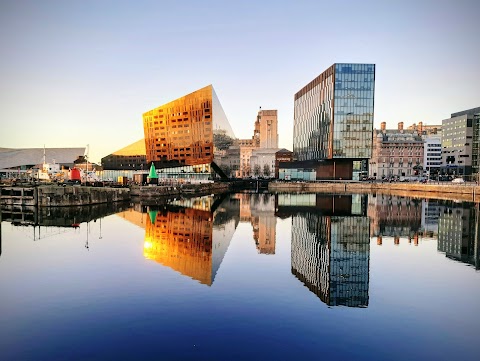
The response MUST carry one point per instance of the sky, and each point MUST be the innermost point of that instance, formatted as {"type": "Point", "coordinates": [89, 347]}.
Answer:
{"type": "Point", "coordinates": [78, 73]}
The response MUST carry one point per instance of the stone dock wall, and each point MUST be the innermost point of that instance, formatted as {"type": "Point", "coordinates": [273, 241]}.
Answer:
{"type": "Point", "coordinates": [462, 192]}
{"type": "Point", "coordinates": [150, 193]}
{"type": "Point", "coordinates": [64, 196]}
{"type": "Point", "coordinates": [59, 196]}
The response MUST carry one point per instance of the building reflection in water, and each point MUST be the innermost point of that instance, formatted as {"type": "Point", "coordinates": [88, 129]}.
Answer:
{"type": "Point", "coordinates": [259, 210]}
{"type": "Point", "coordinates": [192, 236]}
{"type": "Point", "coordinates": [394, 216]}
{"type": "Point", "coordinates": [454, 224]}
{"type": "Point", "coordinates": [458, 232]}
{"type": "Point", "coordinates": [330, 250]}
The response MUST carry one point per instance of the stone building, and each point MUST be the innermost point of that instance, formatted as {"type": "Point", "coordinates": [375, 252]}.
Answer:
{"type": "Point", "coordinates": [396, 153]}
{"type": "Point", "coordinates": [266, 129]}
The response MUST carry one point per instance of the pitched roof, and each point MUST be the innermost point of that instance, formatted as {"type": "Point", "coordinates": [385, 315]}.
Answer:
{"type": "Point", "coordinates": [137, 148]}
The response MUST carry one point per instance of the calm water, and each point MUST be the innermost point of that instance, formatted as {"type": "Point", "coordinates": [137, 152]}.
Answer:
{"type": "Point", "coordinates": [246, 276]}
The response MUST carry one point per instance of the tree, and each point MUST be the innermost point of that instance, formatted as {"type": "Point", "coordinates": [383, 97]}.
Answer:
{"type": "Point", "coordinates": [266, 170]}
{"type": "Point", "coordinates": [222, 141]}
{"type": "Point", "coordinates": [226, 169]}
{"type": "Point", "coordinates": [256, 170]}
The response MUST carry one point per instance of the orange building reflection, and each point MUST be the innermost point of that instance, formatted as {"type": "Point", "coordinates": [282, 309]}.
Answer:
{"type": "Point", "coordinates": [192, 241]}
{"type": "Point", "coordinates": [182, 240]}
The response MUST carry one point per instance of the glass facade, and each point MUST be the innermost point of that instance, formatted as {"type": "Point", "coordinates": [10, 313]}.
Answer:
{"type": "Point", "coordinates": [333, 114]}
{"type": "Point", "coordinates": [186, 130]}
{"type": "Point", "coordinates": [330, 254]}
{"type": "Point", "coordinates": [297, 174]}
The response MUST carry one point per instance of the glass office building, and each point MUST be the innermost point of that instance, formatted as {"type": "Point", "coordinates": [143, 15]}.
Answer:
{"type": "Point", "coordinates": [185, 131]}
{"type": "Point", "coordinates": [333, 116]}
{"type": "Point", "coordinates": [330, 250]}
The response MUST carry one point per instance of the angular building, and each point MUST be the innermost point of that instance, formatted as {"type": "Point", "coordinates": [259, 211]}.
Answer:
{"type": "Point", "coordinates": [333, 121]}
{"type": "Point", "coordinates": [183, 133]}
{"type": "Point", "coordinates": [131, 157]}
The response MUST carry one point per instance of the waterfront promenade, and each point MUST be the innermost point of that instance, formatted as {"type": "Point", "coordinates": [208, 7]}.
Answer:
{"type": "Point", "coordinates": [58, 196]}
{"type": "Point", "coordinates": [465, 192]}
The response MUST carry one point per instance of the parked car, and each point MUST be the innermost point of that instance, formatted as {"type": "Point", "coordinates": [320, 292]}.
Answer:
{"type": "Point", "coordinates": [458, 180]}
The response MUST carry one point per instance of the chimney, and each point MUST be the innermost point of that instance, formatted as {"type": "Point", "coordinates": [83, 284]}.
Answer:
{"type": "Point", "coordinates": [383, 126]}
{"type": "Point", "coordinates": [379, 240]}
{"type": "Point", "coordinates": [420, 127]}
{"type": "Point", "coordinates": [400, 126]}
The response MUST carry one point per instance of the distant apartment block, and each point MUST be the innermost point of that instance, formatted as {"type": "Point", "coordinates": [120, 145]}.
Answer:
{"type": "Point", "coordinates": [457, 143]}
{"type": "Point", "coordinates": [432, 155]}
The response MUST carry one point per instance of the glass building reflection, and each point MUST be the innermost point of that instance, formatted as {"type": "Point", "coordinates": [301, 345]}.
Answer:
{"type": "Point", "coordinates": [192, 236]}
{"type": "Point", "coordinates": [330, 250]}
{"type": "Point", "coordinates": [458, 232]}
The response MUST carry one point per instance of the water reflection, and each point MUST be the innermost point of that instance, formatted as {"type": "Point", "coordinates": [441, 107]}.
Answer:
{"type": "Point", "coordinates": [330, 236]}
{"type": "Point", "coordinates": [330, 246]}
{"type": "Point", "coordinates": [59, 216]}
{"type": "Point", "coordinates": [453, 224]}
{"type": "Point", "coordinates": [458, 233]}
{"type": "Point", "coordinates": [192, 236]}
{"type": "Point", "coordinates": [259, 211]}
{"type": "Point", "coordinates": [277, 262]}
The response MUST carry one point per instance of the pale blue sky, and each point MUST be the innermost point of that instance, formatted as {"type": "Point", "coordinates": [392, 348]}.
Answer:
{"type": "Point", "coordinates": [82, 72]}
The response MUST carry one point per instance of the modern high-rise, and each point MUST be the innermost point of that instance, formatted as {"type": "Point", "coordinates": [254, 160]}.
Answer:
{"type": "Point", "coordinates": [333, 121]}
{"type": "Point", "coordinates": [184, 132]}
